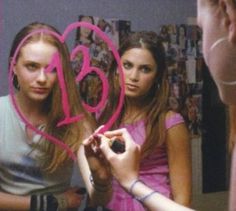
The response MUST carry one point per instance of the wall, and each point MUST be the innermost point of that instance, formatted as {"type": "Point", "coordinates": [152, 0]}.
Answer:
{"type": "Point", "coordinates": [144, 15]}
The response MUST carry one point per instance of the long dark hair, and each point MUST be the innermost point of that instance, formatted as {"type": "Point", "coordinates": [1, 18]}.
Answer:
{"type": "Point", "coordinates": [156, 102]}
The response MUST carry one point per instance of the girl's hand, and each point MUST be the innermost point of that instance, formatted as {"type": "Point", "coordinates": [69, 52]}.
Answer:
{"type": "Point", "coordinates": [98, 165]}
{"type": "Point", "coordinates": [124, 166]}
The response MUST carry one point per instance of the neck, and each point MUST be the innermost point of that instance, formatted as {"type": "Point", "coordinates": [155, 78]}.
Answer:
{"type": "Point", "coordinates": [134, 111]}
{"type": "Point", "coordinates": [32, 111]}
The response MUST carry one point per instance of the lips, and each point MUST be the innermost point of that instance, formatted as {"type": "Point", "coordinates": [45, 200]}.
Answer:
{"type": "Point", "coordinates": [40, 90]}
{"type": "Point", "coordinates": [131, 86]}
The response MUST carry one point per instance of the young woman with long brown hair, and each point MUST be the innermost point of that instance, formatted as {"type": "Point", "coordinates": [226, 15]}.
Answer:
{"type": "Point", "coordinates": [165, 163]}
{"type": "Point", "coordinates": [35, 172]}
{"type": "Point", "coordinates": [217, 18]}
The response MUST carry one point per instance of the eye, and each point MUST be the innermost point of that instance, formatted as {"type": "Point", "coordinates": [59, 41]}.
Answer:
{"type": "Point", "coordinates": [145, 69]}
{"type": "Point", "coordinates": [32, 66]}
{"type": "Point", "coordinates": [127, 65]}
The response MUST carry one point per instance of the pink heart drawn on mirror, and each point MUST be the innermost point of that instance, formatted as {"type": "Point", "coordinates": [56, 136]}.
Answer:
{"type": "Point", "coordinates": [86, 69]}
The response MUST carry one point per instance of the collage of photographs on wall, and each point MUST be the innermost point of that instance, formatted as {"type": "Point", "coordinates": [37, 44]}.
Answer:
{"type": "Point", "coordinates": [185, 63]}
{"type": "Point", "coordinates": [100, 54]}
{"type": "Point", "coordinates": [184, 60]}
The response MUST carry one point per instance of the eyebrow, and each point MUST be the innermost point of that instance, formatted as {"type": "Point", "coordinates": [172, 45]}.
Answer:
{"type": "Point", "coordinates": [127, 60]}
{"type": "Point", "coordinates": [31, 62]}
{"type": "Point", "coordinates": [149, 65]}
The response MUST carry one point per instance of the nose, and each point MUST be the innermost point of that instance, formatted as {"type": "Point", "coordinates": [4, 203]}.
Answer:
{"type": "Point", "coordinates": [134, 74]}
{"type": "Point", "coordinates": [42, 77]}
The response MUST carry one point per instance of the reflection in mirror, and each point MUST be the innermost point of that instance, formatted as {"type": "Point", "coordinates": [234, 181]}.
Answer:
{"type": "Point", "coordinates": [190, 86]}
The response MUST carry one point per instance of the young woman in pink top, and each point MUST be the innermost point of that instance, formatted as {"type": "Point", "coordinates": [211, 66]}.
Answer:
{"type": "Point", "coordinates": [217, 18]}
{"type": "Point", "coordinates": [165, 163]}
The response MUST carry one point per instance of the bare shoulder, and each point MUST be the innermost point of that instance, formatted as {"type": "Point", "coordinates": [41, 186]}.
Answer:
{"type": "Point", "coordinates": [171, 113]}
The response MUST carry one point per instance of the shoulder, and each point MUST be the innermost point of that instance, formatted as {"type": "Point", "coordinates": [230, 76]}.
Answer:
{"type": "Point", "coordinates": [6, 109]}
{"type": "Point", "coordinates": [4, 102]}
{"type": "Point", "coordinates": [173, 118]}
{"type": "Point", "coordinates": [6, 105]}
{"type": "Point", "coordinates": [4, 98]}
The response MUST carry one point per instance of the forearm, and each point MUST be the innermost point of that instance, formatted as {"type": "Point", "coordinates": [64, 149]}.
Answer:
{"type": "Point", "coordinates": [95, 197]}
{"type": "Point", "coordinates": [99, 194]}
{"type": "Point", "coordinates": [98, 198]}
{"type": "Point", "coordinates": [13, 202]}
{"type": "Point", "coordinates": [154, 200]}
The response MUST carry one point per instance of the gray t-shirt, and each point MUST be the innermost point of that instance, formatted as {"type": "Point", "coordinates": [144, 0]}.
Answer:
{"type": "Point", "coordinates": [20, 173]}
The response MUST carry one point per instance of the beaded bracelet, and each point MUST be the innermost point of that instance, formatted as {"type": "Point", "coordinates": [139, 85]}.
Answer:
{"type": "Point", "coordinates": [99, 187]}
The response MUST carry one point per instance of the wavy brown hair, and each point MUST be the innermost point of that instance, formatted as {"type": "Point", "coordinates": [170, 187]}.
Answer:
{"type": "Point", "coordinates": [70, 134]}
{"type": "Point", "coordinates": [156, 101]}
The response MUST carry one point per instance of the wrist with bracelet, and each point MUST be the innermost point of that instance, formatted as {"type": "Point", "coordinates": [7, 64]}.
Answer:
{"type": "Point", "coordinates": [48, 202]}
{"type": "Point", "coordinates": [140, 198]}
{"type": "Point", "coordinates": [100, 187]}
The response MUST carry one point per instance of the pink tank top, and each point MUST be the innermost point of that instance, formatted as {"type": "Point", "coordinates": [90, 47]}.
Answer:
{"type": "Point", "coordinates": [154, 170]}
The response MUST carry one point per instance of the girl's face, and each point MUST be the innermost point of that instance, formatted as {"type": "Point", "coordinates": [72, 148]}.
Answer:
{"type": "Point", "coordinates": [34, 58]}
{"type": "Point", "coordinates": [85, 32]}
{"type": "Point", "coordinates": [219, 52]}
{"type": "Point", "coordinates": [140, 70]}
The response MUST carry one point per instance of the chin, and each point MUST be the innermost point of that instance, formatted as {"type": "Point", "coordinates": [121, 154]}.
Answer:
{"type": "Point", "coordinates": [39, 98]}
{"type": "Point", "coordinates": [130, 94]}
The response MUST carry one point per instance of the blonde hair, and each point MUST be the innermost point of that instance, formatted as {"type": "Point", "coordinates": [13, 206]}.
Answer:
{"type": "Point", "coordinates": [70, 134]}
